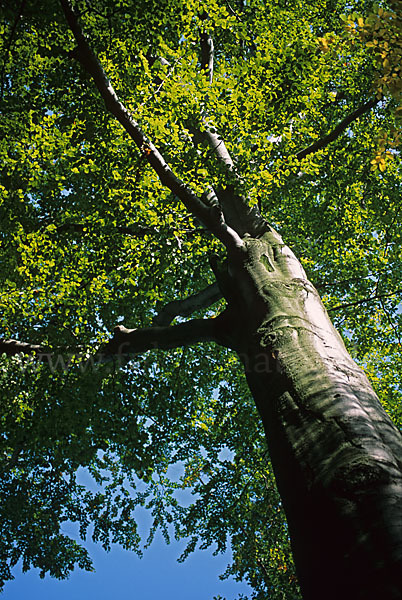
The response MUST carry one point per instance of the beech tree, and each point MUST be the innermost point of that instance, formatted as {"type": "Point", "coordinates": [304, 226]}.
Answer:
{"type": "Point", "coordinates": [154, 156]}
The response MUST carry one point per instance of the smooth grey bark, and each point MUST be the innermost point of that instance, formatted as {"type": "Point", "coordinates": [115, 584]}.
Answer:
{"type": "Point", "coordinates": [337, 456]}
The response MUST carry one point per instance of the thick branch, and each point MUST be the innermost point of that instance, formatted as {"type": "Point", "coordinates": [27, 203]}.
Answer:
{"type": "Point", "coordinates": [217, 145]}
{"type": "Point", "coordinates": [236, 210]}
{"type": "Point", "coordinates": [57, 359]}
{"type": "Point", "coordinates": [344, 124]}
{"type": "Point", "coordinates": [134, 341]}
{"type": "Point", "coordinates": [188, 306]}
{"type": "Point", "coordinates": [207, 54]}
{"type": "Point", "coordinates": [190, 200]}
{"type": "Point", "coordinates": [126, 342]}
{"type": "Point", "coordinates": [238, 214]}
{"type": "Point", "coordinates": [14, 347]}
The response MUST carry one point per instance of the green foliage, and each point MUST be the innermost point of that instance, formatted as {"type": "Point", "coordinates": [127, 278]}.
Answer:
{"type": "Point", "coordinates": [90, 238]}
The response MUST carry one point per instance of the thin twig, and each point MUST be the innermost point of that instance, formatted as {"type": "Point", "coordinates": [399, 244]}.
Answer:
{"type": "Point", "coordinates": [335, 133]}
{"type": "Point", "coordinates": [364, 300]}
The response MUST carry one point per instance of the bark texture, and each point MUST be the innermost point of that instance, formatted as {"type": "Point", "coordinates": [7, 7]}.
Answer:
{"type": "Point", "coordinates": [336, 454]}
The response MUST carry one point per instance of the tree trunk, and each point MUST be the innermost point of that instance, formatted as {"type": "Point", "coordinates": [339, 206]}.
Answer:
{"type": "Point", "coordinates": [336, 454]}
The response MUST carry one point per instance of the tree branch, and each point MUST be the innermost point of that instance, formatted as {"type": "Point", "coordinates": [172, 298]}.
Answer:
{"type": "Point", "coordinates": [157, 80]}
{"type": "Point", "coordinates": [191, 201]}
{"type": "Point", "coordinates": [207, 54]}
{"type": "Point", "coordinates": [324, 141]}
{"type": "Point", "coordinates": [126, 342]}
{"type": "Point", "coordinates": [217, 145]}
{"type": "Point", "coordinates": [56, 359]}
{"type": "Point", "coordinates": [235, 207]}
{"type": "Point", "coordinates": [14, 347]}
{"type": "Point", "coordinates": [188, 306]}
{"type": "Point", "coordinates": [237, 212]}
{"type": "Point", "coordinates": [365, 300]}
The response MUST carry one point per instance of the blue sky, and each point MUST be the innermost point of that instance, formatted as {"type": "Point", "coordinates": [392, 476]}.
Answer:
{"type": "Point", "coordinates": [122, 575]}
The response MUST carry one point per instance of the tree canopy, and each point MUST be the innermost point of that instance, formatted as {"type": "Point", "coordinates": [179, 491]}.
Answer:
{"type": "Point", "coordinates": [306, 96]}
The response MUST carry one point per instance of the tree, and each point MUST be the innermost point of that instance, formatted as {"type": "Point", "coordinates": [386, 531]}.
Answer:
{"type": "Point", "coordinates": [145, 149]}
